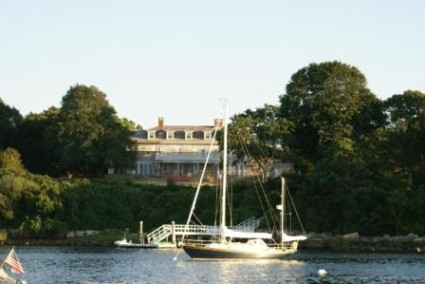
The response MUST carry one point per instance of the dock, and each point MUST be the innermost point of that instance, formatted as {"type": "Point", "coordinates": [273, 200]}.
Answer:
{"type": "Point", "coordinates": [168, 236]}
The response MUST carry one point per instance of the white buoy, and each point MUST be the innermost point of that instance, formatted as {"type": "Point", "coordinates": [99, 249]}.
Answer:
{"type": "Point", "coordinates": [322, 272]}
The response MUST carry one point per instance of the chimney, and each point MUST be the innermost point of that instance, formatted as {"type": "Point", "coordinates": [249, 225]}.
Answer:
{"type": "Point", "coordinates": [161, 123]}
{"type": "Point", "coordinates": [218, 123]}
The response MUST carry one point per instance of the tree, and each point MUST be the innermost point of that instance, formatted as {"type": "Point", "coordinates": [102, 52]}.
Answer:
{"type": "Point", "coordinates": [91, 136]}
{"type": "Point", "coordinates": [38, 143]}
{"type": "Point", "coordinates": [27, 201]}
{"type": "Point", "coordinates": [10, 119]}
{"type": "Point", "coordinates": [12, 182]}
{"type": "Point", "coordinates": [322, 101]}
{"type": "Point", "coordinates": [406, 133]}
{"type": "Point", "coordinates": [259, 135]}
{"type": "Point", "coordinates": [130, 125]}
{"type": "Point", "coordinates": [336, 120]}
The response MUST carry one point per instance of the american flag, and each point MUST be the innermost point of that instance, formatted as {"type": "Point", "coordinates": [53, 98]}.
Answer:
{"type": "Point", "coordinates": [13, 261]}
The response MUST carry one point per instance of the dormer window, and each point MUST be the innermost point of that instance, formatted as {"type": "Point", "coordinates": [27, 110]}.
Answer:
{"type": "Point", "coordinates": [160, 134]}
{"type": "Point", "coordinates": [198, 135]}
{"type": "Point", "coordinates": [179, 135]}
{"type": "Point", "coordinates": [141, 134]}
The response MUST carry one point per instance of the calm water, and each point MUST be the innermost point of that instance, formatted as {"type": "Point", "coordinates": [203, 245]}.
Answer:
{"type": "Point", "coordinates": [113, 265]}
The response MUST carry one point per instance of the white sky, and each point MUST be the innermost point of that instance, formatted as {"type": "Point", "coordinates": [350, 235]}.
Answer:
{"type": "Point", "coordinates": [176, 58]}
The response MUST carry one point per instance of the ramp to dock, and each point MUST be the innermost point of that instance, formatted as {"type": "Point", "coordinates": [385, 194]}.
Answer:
{"type": "Point", "coordinates": [174, 230]}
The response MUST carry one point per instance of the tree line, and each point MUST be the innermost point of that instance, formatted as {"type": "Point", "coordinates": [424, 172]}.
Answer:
{"type": "Point", "coordinates": [358, 160]}
{"type": "Point", "coordinates": [83, 137]}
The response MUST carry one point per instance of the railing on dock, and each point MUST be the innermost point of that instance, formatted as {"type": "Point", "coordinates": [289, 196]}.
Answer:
{"type": "Point", "coordinates": [167, 230]}
{"type": "Point", "coordinates": [159, 234]}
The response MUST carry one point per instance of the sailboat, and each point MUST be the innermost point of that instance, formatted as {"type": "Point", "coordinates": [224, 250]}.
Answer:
{"type": "Point", "coordinates": [15, 267]}
{"type": "Point", "coordinates": [237, 244]}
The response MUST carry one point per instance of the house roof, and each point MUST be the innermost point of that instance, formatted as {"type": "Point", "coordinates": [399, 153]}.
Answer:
{"type": "Point", "coordinates": [186, 128]}
{"type": "Point", "coordinates": [183, 128]}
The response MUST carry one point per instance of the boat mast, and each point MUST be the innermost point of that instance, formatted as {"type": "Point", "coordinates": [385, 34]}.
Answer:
{"type": "Point", "coordinates": [282, 213]}
{"type": "Point", "coordinates": [224, 184]}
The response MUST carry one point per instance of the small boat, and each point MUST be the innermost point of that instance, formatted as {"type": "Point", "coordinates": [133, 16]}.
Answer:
{"type": "Point", "coordinates": [15, 267]}
{"type": "Point", "coordinates": [240, 244]}
{"type": "Point", "coordinates": [124, 243]}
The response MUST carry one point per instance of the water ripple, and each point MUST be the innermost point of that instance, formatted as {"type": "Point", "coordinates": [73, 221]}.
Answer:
{"type": "Point", "coordinates": [111, 265]}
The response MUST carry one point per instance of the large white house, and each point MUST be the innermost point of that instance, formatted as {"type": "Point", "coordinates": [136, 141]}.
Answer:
{"type": "Point", "coordinates": [176, 151]}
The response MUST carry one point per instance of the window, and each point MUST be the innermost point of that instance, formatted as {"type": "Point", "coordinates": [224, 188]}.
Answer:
{"type": "Point", "coordinates": [142, 134]}
{"type": "Point", "coordinates": [198, 135]}
{"type": "Point", "coordinates": [179, 135]}
{"type": "Point", "coordinates": [160, 134]}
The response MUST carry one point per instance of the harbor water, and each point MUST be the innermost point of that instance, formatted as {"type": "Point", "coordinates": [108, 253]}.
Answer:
{"type": "Point", "coordinates": [115, 265]}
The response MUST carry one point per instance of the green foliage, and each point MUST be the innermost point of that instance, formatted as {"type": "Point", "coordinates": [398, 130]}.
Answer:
{"type": "Point", "coordinates": [262, 134]}
{"type": "Point", "coordinates": [110, 204]}
{"type": "Point", "coordinates": [356, 154]}
{"type": "Point", "coordinates": [117, 205]}
{"type": "Point", "coordinates": [129, 124]}
{"type": "Point", "coordinates": [359, 162]}
{"type": "Point", "coordinates": [10, 120]}
{"type": "Point", "coordinates": [12, 182]}
{"type": "Point", "coordinates": [38, 142]}
{"type": "Point", "coordinates": [404, 146]}
{"type": "Point", "coordinates": [10, 161]}
{"type": "Point", "coordinates": [104, 237]}
{"type": "Point", "coordinates": [244, 197]}
{"type": "Point", "coordinates": [27, 201]}
{"type": "Point", "coordinates": [90, 134]}
{"type": "Point", "coordinates": [3, 236]}
{"type": "Point", "coordinates": [322, 100]}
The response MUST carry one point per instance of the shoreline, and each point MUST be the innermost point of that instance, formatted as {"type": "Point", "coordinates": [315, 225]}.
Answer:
{"type": "Point", "coordinates": [316, 241]}
{"type": "Point", "coordinates": [353, 242]}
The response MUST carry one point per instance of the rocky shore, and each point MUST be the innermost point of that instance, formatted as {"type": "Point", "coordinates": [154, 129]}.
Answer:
{"type": "Point", "coordinates": [356, 242]}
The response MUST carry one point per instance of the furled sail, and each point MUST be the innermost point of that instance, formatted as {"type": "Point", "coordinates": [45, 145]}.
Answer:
{"type": "Point", "coordinates": [287, 238]}
{"type": "Point", "coordinates": [228, 233]}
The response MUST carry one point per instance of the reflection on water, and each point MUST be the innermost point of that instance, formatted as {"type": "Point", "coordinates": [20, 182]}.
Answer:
{"type": "Point", "coordinates": [112, 265]}
{"type": "Point", "coordinates": [258, 271]}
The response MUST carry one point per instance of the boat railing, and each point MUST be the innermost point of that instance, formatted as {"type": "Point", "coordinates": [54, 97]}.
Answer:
{"type": "Point", "coordinates": [284, 246]}
{"type": "Point", "coordinates": [197, 229]}
{"type": "Point", "coordinates": [210, 230]}
{"type": "Point", "coordinates": [199, 241]}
